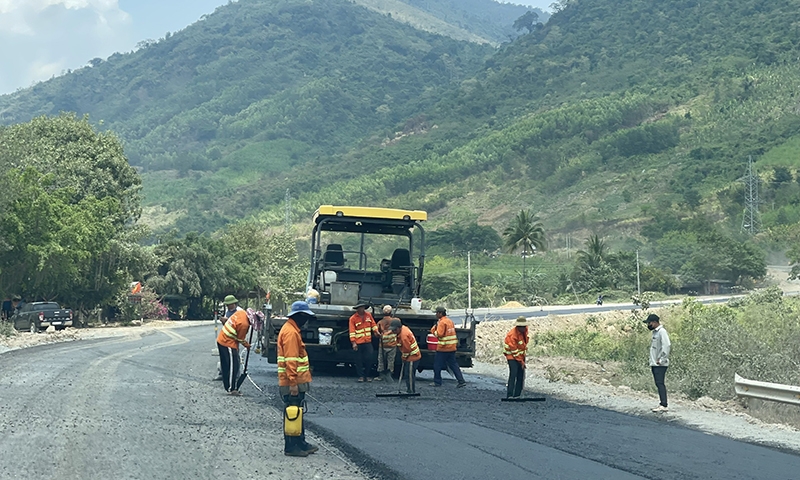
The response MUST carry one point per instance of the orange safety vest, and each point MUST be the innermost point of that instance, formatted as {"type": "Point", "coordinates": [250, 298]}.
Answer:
{"type": "Point", "coordinates": [362, 328]}
{"type": "Point", "coordinates": [515, 345]}
{"type": "Point", "coordinates": [408, 345]}
{"type": "Point", "coordinates": [292, 356]}
{"type": "Point", "coordinates": [388, 339]}
{"type": "Point", "coordinates": [234, 331]}
{"type": "Point", "coordinates": [445, 331]}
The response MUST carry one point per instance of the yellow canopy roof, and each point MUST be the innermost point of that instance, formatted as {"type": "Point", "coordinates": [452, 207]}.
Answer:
{"type": "Point", "coordinates": [370, 212]}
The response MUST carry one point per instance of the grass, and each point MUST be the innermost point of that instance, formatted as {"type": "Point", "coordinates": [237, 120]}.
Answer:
{"type": "Point", "coordinates": [757, 337]}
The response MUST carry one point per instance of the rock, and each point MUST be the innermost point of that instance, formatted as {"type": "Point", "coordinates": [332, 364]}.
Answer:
{"type": "Point", "coordinates": [624, 388]}
{"type": "Point", "coordinates": [51, 329]}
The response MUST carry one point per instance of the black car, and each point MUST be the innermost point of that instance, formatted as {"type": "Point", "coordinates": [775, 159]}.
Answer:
{"type": "Point", "coordinates": [37, 315]}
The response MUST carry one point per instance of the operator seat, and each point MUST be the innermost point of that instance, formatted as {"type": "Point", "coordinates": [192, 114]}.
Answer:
{"type": "Point", "coordinates": [333, 258]}
{"type": "Point", "coordinates": [400, 269]}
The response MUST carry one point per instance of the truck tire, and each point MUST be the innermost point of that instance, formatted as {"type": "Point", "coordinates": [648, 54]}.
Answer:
{"type": "Point", "coordinates": [33, 328]}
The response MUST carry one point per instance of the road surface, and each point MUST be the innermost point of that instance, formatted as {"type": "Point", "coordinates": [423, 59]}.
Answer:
{"type": "Point", "coordinates": [146, 407]}
{"type": "Point", "coordinates": [470, 434]}
{"type": "Point", "coordinates": [140, 408]}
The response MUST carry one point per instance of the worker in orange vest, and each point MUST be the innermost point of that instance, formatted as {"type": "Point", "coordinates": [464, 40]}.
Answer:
{"type": "Point", "coordinates": [294, 376]}
{"type": "Point", "coordinates": [233, 332]}
{"type": "Point", "coordinates": [362, 328]}
{"type": "Point", "coordinates": [388, 349]}
{"type": "Point", "coordinates": [445, 356]}
{"type": "Point", "coordinates": [409, 352]}
{"type": "Point", "coordinates": [514, 348]}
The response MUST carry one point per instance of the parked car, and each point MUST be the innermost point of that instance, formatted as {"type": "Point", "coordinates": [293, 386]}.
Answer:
{"type": "Point", "coordinates": [37, 315]}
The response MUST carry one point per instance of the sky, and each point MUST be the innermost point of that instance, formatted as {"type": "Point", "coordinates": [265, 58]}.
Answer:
{"type": "Point", "coordinates": [40, 39]}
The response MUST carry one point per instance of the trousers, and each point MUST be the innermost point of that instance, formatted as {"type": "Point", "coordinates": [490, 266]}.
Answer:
{"type": "Point", "coordinates": [658, 375]}
{"type": "Point", "coordinates": [409, 369]}
{"type": "Point", "coordinates": [516, 379]}
{"type": "Point", "coordinates": [364, 358]}
{"type": "Point", "coordinates": [228, 366]}
{"type": "Point", "coordinates": [386, 358]}
{"type": "Point", "coordinates": [442, 360]}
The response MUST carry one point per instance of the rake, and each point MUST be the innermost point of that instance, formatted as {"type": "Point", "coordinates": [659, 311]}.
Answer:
{"type": "Point", "coordinates": [399, 382]}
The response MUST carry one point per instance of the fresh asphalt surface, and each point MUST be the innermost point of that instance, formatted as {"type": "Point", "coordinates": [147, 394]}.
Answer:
{"type": "Point", "coordinates": [470, 434]}
{"type": "Point", "coordinates": [147, 408]}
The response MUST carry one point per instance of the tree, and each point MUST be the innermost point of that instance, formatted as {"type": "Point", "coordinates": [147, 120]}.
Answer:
{"type": "Point", "coordinates": [524, 233]}
{"type": "Point", "coordinates": [595, 252]}
{"type": "Point", "coordinates": [67, 207]}
{"type": "Point", "coordinates": [529, 21]}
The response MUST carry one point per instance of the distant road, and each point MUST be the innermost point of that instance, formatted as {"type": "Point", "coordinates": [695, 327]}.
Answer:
{"type": "Point", "coordinates": [490, 314]}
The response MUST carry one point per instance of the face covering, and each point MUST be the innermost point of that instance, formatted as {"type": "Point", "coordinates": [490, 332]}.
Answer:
{"type": "Point", "coordinates": [650, 326]}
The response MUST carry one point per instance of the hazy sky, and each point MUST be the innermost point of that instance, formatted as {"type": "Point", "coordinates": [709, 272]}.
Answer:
{"type": "Point", "coordinates": [42, 38]}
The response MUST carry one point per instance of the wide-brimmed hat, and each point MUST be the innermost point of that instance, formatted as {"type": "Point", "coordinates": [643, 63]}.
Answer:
{"type": "Point", "coordinates": [300, 307]}
{"type": "Point", "coordinates": [441, 309]}
{"type": "Point", "coordinates": [521, 322]}
{"type": "Point", "coordinates": [361, 304]}
{"type": "Point", "coordinates": [387, 309]}
{"type": "Point", "coordinates": [396, 323]}
{"type": "Point", "coordinates": [230, 299]}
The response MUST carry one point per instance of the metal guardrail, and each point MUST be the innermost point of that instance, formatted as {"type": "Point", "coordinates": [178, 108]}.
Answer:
{"type": "Point", "coordinates": [767, 391]}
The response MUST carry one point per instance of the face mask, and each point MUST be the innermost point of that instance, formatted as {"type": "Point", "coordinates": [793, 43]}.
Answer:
{"type": "Point", "coordinates": [650, 326]}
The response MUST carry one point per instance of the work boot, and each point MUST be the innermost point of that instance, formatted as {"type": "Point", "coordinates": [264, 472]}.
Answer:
{"type": "Point", "coordinates": [293, 447]}
{"type": "Point", "coordinates": [307, 447]}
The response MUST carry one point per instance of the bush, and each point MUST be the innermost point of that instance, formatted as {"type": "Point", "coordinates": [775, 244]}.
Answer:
{"type": "Point", "coordinates": [7, 329]}
{"type": "Point", "coordinates": [758, 337]}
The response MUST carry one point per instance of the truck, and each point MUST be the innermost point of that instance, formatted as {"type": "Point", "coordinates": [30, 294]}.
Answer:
{"type": "Point", "coordinates": [37, 315]}
{"type": "Point", "coordinates": [370, 255]}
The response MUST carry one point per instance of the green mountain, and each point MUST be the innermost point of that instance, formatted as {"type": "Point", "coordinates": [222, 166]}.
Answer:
{"type": "Point", "coordinates": [251, 90]}
{"type": "Point", "coordinates": [471, 20]}
{"type": "Point", "coordinates": [629, 118]}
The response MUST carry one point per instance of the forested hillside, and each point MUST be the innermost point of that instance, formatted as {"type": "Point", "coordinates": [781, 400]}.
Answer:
{"type": "Point", "coordinates": [473, 20]}
{"type": "Point", "coordinates": [632, 117]}
{"type": "Point", "coordinates": [252, 89]}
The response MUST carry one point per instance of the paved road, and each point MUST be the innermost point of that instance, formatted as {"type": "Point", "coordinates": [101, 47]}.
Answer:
{"type": "Point", "coordinates": [490, 314]}
{"type": "Point", "coordinates": [140, 408]}
{"type": "Point", "coordinates": [146, 408]}
{"type": "Point", "coordinates": [469, 434]}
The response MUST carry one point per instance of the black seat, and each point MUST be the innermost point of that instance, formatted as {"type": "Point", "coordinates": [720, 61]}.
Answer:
{"type": "Point", "coordinates": [333, 257]}
{"type": "Point", "coordinates": [401, 270]}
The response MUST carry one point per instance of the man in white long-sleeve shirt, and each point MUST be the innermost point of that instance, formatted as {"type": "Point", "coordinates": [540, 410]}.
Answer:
{"type": "Point", "coordinates": [659, 358]}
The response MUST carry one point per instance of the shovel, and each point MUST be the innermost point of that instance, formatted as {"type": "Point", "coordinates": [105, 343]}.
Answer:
{"type": "Point", "coordinates": [399, 382]}
{"type": "Point", "coordinates": [243, 375]}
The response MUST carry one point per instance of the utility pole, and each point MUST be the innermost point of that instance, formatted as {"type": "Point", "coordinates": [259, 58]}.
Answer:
{"type": "Point", "coordinates": [469, 282]}
{"type": "Point", "coordinates": [287, 214]}
{"type": "Point", "coordinates": [751, 221]}
{"type": "Point", "coordinates": [638, 282]}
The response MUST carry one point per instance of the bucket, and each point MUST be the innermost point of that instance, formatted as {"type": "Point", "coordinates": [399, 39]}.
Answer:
{"type": "Point", "coordinates": [432, 341]}
{"type": "Point", "coordinates": [325, 335]}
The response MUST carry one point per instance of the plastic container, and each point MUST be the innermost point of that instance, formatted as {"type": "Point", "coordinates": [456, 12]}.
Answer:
{"type": "Point", "coordinates": [432, 341]}
{"type": "Point", "coordinates": [293, 421]}
{"type": "Point", "coordinates": [325, 335]}
{"type": "Point", "coordinates": [416, 304]}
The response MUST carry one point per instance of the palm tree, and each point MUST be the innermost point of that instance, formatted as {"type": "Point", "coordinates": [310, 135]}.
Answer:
{"type": "Point", "coordinates": [524, 233]}
{"type": "Point", "coordinates": [595, 252]}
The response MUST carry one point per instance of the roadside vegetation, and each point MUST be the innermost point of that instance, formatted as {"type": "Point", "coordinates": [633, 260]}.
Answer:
{"type": "Point", "coordinates": [757, 337]}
